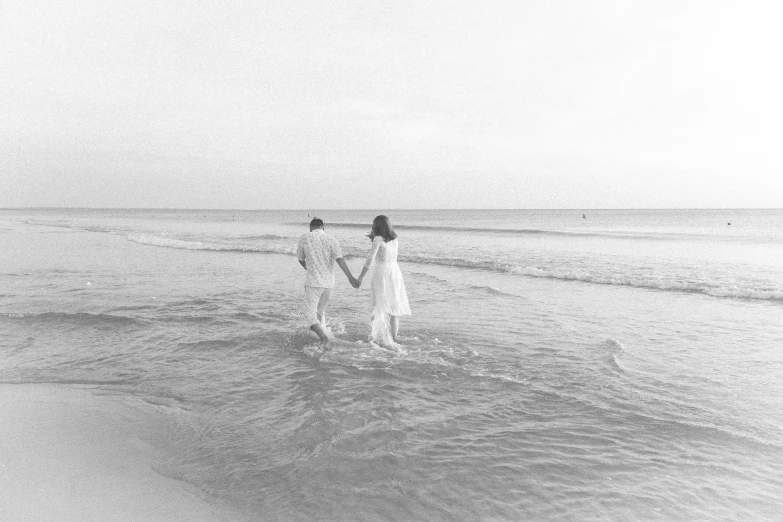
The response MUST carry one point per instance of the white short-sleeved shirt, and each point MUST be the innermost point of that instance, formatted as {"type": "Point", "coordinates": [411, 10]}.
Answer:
{"type": "Point", "coordinates": [319, 252]}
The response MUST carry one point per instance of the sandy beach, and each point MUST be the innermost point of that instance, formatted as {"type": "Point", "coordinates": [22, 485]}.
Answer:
{"type": "Point", "coordinates": [69, 454]}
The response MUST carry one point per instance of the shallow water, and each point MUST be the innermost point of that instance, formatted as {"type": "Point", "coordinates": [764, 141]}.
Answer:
{"type": "Point", "coordinates": [622, 366]}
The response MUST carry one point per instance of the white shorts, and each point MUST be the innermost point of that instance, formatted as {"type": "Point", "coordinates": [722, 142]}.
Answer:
{"type": "Point", "coordinates": [315, 301]}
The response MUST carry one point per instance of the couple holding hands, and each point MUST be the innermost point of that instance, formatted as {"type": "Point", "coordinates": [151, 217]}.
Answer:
{"type": "Point", "coordinates": [317, 252]}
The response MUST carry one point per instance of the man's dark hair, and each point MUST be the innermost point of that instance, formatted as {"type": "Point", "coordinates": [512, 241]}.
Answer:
{"type": "Point", "coordinates": [316, 223]}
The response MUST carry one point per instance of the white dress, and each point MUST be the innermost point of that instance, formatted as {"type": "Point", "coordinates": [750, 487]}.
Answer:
{"type": "Point", "coordinates": [386, 285]}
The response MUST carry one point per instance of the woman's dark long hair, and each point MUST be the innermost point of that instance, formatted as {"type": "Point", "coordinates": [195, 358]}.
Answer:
{"type": "Point", "coordinates": [381, 226]}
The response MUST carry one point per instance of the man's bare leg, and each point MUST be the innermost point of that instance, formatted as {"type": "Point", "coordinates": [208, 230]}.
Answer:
{"type": "Point", "coordinates": [318, 329]}
{"type": "Point", "coordinates": [323, 332]}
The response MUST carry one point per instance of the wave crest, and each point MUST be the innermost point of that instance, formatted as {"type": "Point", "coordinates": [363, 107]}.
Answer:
{"type": "Point", "coordinates": [166, 242]}
{"type": "Point", "coordinates": [714, 289]}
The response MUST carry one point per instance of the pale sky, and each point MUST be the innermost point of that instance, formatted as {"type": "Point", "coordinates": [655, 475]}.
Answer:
{"type": "Point", "coordinates": [404, 104]}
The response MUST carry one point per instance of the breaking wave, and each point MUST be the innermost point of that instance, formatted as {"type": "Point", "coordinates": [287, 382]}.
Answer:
{"type": "Point", "coordinates": [715, 288]}
{"type": "Point", "coordinates": [166, 242]}
{"type": "Point", "coordinates": [727, 289]}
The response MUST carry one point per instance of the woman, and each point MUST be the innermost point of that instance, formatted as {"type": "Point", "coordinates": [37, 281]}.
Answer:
{"type": "Point", "coordinates": [389, 300]}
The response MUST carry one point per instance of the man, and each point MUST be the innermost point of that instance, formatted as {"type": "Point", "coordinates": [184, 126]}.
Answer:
{"type": "Point", "coordinates": [317, 253]}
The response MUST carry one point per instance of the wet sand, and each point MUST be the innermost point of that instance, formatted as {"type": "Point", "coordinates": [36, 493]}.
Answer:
{"type": "Point", "coordinates": [67, 453]}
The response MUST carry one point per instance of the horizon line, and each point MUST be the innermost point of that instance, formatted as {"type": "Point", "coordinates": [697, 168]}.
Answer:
{"type": "Point", "coordinates": [204, 209]}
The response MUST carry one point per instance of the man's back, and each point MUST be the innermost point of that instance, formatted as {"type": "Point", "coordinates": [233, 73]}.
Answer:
{"type": "Point", "coordinates": [319, 251]}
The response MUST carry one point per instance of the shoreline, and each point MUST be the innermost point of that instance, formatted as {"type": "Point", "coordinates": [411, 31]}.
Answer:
{"type": "Point", "coordinates": [69, 454]}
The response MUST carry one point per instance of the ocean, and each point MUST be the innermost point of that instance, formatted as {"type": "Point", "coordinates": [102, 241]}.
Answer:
{"type": "Point", "coordinates": [558, 365]}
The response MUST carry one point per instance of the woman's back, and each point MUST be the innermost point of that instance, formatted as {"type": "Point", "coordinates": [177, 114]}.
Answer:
{"type": "Point", "coordinates": [387, 251]}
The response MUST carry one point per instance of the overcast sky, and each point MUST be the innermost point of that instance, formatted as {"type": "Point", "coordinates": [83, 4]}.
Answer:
{"type": "Point", "coordinates": [393, 104]}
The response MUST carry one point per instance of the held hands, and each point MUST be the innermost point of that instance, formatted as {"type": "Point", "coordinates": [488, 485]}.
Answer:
{"type": "Point", "coordinates": [356, 283]}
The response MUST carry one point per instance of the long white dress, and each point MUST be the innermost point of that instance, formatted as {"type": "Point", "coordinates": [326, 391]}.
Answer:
{"type": "Point", "coordinates": [387, 288]}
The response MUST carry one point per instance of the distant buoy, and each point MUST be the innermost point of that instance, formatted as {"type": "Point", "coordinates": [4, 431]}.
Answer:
{"type": "Point", "coordinates": [729, 224]}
